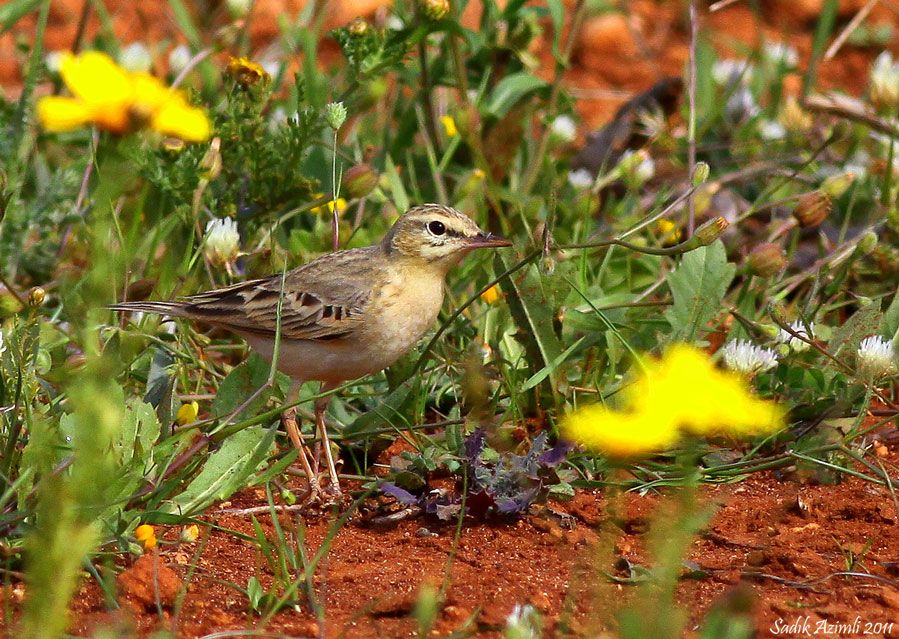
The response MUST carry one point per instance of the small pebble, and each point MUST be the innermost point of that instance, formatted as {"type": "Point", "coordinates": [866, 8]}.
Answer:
{"type": "Point", "coordinates": [424, 532]}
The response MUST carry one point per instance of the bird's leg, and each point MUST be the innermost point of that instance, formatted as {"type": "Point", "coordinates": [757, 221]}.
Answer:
{"type": "Point", "coordinates": [320, 405]}
{"type": "Point", "coordinates": [292, 426]}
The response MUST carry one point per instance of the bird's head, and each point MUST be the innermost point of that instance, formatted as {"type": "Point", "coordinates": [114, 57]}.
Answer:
{"type": "Point", "coordinates": [438, 235]}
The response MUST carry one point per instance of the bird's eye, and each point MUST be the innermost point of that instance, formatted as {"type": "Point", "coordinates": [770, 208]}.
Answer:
{"type": "Point", "coordinates": [436, 227]}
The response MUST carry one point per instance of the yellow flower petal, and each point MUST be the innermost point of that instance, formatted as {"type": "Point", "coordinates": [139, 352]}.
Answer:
{"type": "Point", "coordinates": [491, 295]}
{"type": "Point", "coordinates": [146, 534]}
{"type": "Point", "coordinates": [57, 113]}
{"type": "Point", "coordinates": [178, 119]}
{"type": "Point", "coordinates": [449, 126]}
{"type": "Point", "coordinates": [619, 434]}
{"type": "Point", "coordinates": [95, 78]}
{"type": "Point", "coordinates": [187, 414]}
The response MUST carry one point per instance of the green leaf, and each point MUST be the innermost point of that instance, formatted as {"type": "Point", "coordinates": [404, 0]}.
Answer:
{"type": "Point", "coordinates": [533, 315]}
{"type": "Point", "coordinates": [240, 383]}
{"type": "Point", "coordinates": [510, 90]}
{"type": "Point", "coordinates": [864, 322]}
{"type": "Point", "coordinates": [11, 13]}
{"type": "Point", "coordinates": [383, 413]}
{"type": "Point", "coordinates": [226, 470]}
{"type": "Point", "coordinates": [140, 428]}
{"type": "Point", "coordinates": [698, 285]}
{"type": "Point", "coordinates": [889, 324]}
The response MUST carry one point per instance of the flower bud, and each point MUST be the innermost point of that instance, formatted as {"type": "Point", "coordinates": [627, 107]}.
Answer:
{"type": "Point", "coordinates": [358, 27]}
{"type": "Point", "coordinates": [766, 260]}
{"type": "Point", "coordinates": [867, 243]}
{"type": "Point", "coordinates": [709, 232]}
{"type": "Point", "coordinates": [547, 265]}
{"type": "Point", "coordinates": [335, 115]}
{"type": "Point", "coordinates": [239, 8]}
{"type": "Point", "coordinates": [835, 185]}
{"type": "Point", "coordinates": [211, 164]}
{"type": "Point", "coordinates": [187, 414]}
{"type": "Point", "coordinates": [700, 173]}
{"type": "Point", "coordinates": [563, 130]}
{"type": "Point", "coordinates": [812, 209]}
{"type": "Point", "coordinates": [885, 82]}
{"type": "Point", "coordinates": [434, 9]}
{"type": "Point", "coordinates": [360, 180]}
{"type": "Point", "coordinates": [36, 297]}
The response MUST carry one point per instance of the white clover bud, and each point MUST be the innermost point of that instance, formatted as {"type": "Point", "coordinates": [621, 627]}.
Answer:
{"type": "Point", "coordinates": [885, 81]}
{"type": "Point", "coordinates": [136, 58]}
{"type": "Point", "coordinates": [794, 343]}
{"type": "Point", "coordinates": [335, 114]}
{"type": "Point", "coordinates": [746, 358]}
{"type": "Point", "coordinates": [636, 168]}
{"type": "Point", "coordinates": [523, 623]}
{"type": "Point", "coordinates": [780, 53]}
{"type": "Point", "coordinates": [563, 129]}
{"type": "Point", "coordinates": [179, 58]}
{"type": "Point", "coordinates": [580, 179]}
{"type": "Point", "coordinates": [875, 358]}
{"type": "Point", "coordinates": [222, 241]}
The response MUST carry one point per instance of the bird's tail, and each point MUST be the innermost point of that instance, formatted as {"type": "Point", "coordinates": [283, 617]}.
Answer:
{"type": "Point", "coordinates": [173, 309]}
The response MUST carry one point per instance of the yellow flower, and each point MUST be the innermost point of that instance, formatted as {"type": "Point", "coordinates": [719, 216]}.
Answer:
{"type": "Point", "coordinates": [118, 101]}
{"type": "Point", "coordinates": [491, 295]}
{"type": "Point", "coordinates": [669, 232]}
{"type": "Point", "coordinates": [680, 393]}
{"type": "Point", "coordinates": [449, 126]}
{"type": "Point", "coordinates": [187, 414]}
{"type": "Point", "coordinates": [339, 204]}
{"type": "Point", "coordinates": [190, 533]}
{"type": "Point", "coordinates": [146, 535]}
{"type": "Point", "coordinates": [246, 72]}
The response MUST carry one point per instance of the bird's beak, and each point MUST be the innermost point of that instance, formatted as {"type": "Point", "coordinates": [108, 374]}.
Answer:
{"type": "Point", "coordinates": [486, 240]}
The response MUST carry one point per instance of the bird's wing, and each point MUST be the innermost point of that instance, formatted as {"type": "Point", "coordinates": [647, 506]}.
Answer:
{"type": "Point", "coordinates": [322, 300]}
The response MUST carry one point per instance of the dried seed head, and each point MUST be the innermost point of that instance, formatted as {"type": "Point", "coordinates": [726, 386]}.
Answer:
{"type": "Point", "coordinates": [812, 209]}
{"type": "Point", "coordinates": [766, 260]}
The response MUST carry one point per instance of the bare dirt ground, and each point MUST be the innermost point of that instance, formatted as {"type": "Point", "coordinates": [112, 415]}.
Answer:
{"type": "Point", "coordinates": [790, 544]}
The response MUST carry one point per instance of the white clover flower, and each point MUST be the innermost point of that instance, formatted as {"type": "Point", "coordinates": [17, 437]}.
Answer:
{"type": "Point", "coordinates": [745, 357]}
{"type": "Point", "coordinates": [179, 58]}
{"type": "Point", "coordinates": [741, 106]}
{"type": "Point", "coordinates": [794, 343]}
{"type": "Point", "coordinates": [636, 167]}
{"type": "Point", "coordinates": [563, 129]}
{"type": "Point", "coordinates": [136, 58]}
{"type": "Point", "coordinates": [730, 71]}
{"type": "Point", "coordinates": [772, 130]}
{"type": "Point", "coordinates": [222, 241]}
{"type": "Point", "coordinates": [523, 623]}
{"type": "Point", "coordinates": [780, 53]}
{"type": "Point", "coordinates": [394, 22]}
{"type": "Point", "coordinates": [271, 67]}
{"type": "Point", "coordinates": [875, 357]}
{"type": "Point", "coordinates": [53, 61]}
{"type": "Point", "coordinates": [885, 81]}
{"type": "Point", "coordinates": [580, 179]}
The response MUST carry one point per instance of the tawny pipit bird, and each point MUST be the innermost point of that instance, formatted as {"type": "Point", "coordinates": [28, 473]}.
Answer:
{"type": "Point", "coordinates": [346, 314]}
